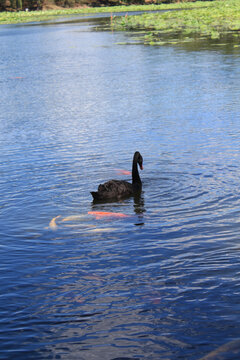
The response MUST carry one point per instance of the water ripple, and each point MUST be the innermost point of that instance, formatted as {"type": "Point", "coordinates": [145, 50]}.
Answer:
{"type": "Point", "coordinates": [162, 282]}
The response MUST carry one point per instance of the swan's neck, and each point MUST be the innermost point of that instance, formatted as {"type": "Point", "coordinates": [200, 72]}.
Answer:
{"type": "Point", "coordinates": [135, 174]}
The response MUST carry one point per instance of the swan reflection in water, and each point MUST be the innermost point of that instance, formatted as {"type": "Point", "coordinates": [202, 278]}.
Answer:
{"type": "Point", "coordinates": [139, 208]}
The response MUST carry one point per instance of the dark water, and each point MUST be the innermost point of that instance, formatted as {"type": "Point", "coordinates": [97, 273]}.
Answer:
{"type": "Point", "coordinates": [162, 283]}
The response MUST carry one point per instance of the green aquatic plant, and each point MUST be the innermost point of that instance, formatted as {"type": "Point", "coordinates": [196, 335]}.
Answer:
{"type": "Point", "coordinates": [211, 19]}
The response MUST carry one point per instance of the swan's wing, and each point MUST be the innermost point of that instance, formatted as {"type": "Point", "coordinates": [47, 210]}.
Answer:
{"type": "Point", "coordinates": [115, 188]}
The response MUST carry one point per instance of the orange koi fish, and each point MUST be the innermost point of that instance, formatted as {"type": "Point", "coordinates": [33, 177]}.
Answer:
{"type": "Point", "coordinates": [123, 172]}
{"type": "Point", "coordinates": [102, 214]}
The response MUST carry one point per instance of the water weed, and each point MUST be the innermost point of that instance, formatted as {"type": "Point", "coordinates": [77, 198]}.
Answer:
{"type": "Point", "coordinates": [211, 19]}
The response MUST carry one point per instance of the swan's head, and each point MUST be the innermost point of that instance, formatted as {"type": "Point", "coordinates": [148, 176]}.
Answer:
{"type": "Point", "coordinates": [139, 159]}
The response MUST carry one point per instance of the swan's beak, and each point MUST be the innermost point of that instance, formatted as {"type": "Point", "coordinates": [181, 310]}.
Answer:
{"type": "Point", "coordinates": [141, 167]}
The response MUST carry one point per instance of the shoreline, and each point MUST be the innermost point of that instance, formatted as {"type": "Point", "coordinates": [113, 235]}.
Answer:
{"type": "Point", "coordinates": [189, 22]}
{"type": "Point", "coordinates": [7, 18]}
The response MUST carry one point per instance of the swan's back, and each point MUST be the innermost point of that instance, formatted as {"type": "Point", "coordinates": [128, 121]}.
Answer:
{"type": "Point", "coordinates": [113, 189]}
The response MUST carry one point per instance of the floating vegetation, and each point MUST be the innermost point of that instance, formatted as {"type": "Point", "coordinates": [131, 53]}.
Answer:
{"type": "Point", "coordinates": [209, 19]}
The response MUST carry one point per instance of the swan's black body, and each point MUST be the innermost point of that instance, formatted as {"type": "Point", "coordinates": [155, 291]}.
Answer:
{"type": "Point", "coordinates": [118, 189]}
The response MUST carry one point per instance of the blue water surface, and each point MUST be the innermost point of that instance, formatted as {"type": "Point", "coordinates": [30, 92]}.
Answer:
{"type": "Point", "coordinates": [160, 283]}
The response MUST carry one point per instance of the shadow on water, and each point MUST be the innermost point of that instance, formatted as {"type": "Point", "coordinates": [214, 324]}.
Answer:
{"type": "Point", "coordinates": [139, 208]}
{"type": "Point", "coordinates": [226, 43]}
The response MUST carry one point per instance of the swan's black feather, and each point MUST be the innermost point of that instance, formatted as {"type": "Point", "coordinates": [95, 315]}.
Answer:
{"type": "Point", "coordinates": [113, 189]}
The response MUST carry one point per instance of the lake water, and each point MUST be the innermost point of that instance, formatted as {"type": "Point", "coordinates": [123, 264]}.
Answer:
{"type": "Point", "coordinates": [161, 283]}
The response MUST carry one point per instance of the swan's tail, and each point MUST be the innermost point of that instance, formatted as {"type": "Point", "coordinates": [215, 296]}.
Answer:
{"type": "Point", "coordinates": [95, 195]}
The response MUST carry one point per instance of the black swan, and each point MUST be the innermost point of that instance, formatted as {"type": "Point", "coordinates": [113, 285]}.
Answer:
{"type": "Point", "coordinates": [118, 189]}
